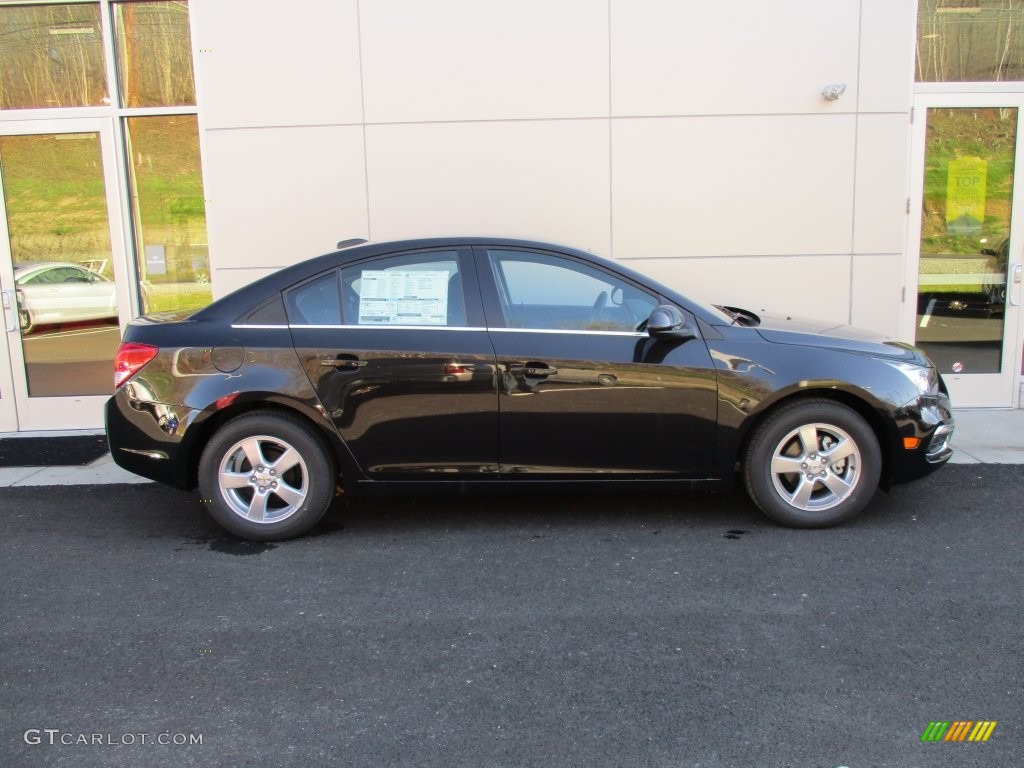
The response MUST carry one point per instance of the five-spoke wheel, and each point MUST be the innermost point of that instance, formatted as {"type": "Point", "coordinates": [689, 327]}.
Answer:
{"type": "Point", "coordinates": [813, 463]}
{"type": "Point", "coordinates": [266, 476]}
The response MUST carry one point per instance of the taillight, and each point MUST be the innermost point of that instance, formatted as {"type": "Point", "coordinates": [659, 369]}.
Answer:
{"type": "Point", "coordinates": [130, 359]}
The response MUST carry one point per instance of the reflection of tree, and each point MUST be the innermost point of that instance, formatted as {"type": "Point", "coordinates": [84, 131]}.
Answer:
{"type": "Point", "coordinates": [970, 40]}
{"type": "Point", "coordinates": [51, 56]}
{"type": "Point", "coordinates": [155, 54]}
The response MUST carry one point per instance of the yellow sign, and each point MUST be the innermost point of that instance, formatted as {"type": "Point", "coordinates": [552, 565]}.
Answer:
{"type": "Point", "coordinates": [965, 195]}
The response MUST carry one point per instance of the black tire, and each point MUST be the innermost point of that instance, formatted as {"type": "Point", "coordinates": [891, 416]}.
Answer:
{"type": "Point", "coordinates": [266, 476]}
{"type": "Point", "coordinates": [817, 493]}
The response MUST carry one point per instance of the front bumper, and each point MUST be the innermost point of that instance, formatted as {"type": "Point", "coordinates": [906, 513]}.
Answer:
{"type": "Point", "coordinates": [924, 430]}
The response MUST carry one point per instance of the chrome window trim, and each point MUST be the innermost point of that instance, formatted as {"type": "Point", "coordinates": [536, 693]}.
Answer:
{"type": "Point", "coordinates": [461, 329]}
{"type": "Point", "coordinates": [386, 327]}
{"type": "Point", "coordinates": [634, 334]}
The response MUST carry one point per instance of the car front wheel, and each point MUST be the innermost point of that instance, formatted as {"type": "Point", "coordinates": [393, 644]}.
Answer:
{"type": "Point", "coordinates": [812, 464]}
{"type": "Point", "coordinates": [266, 476]}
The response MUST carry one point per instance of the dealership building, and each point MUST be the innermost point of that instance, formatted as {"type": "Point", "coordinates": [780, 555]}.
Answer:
{"type": "Point", "coordinates": [849, 160]}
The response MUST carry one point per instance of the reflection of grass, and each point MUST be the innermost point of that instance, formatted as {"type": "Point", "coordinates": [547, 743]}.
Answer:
{"type": "Point", "coordinates": [986, 133]}
{"type": "Point", "coordinates": [57, 209]}
{"type": "Point", "coordinates": [177, 296]}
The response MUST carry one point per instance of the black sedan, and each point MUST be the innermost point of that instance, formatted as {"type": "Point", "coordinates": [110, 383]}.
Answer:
{"type": "Point", "coordinates": [470, 363]}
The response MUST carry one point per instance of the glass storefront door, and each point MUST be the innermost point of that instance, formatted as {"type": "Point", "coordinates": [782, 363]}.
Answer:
{"type": "Point", "coordinates": [966, 313]}
{"type": "Point", "coordinates": [62, 273]}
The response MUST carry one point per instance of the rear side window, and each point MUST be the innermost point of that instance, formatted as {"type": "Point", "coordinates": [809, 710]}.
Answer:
{"type": "Point", "coordinates": [423, 289]}
{"type": "Point", "coordinates": [315, 302]}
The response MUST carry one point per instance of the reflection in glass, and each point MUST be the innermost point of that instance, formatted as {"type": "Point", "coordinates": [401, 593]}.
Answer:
{"type": "Point", "coordinates": [60, 245]}
{"type": "Point", "coordinates": [965, 231]}
{"type": "Point", "coordinates": [154, 56]}
{"type": "Point", "coordinates": [970, 40]}
{"type": "Point", "coordinates": [51, 56]}
{"type": "Point", "coordinates": [169, 213]}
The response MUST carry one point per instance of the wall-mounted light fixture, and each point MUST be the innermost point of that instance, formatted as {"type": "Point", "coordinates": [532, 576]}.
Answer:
{"type": "Point", "coordinates": [834, 91]}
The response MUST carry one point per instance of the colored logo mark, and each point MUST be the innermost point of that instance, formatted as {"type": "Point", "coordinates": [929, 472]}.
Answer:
{"type": "Point", "coordinates": [959, 730]}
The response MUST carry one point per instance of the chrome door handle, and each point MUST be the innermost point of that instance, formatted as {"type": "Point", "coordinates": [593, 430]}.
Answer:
{"type": "Point", "coordinates": [1015, 276]}
{"type": "Point", "coordinates": [534, 370]}
{"type": "Point", "coordinates": [10, 315]}
{"type": "Point", "coordinates": [344, 363]}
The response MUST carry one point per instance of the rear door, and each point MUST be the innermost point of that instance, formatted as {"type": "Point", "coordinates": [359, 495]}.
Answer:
{"type": "Point", "coordinates": [583, 390]}
{"type": "Point", "coordinates": [397, 351]}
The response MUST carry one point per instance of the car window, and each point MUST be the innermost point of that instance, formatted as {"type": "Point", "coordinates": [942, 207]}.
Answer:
{"type": "Point", "coordinates": [412, 289]}
{"type": "Point", "coordinates": [548, 292]}
{"type": "Point", "coordinates": [58, 275]}
{"type": "Point", "coordinates": [315, 302]}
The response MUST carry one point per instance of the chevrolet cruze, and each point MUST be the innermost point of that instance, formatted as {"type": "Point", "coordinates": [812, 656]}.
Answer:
{"type": "Point", "coordinates": [478, 362]}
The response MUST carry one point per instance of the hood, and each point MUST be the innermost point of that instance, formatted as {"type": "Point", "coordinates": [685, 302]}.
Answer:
{"type": "Point", "coordinates": [804, 332]}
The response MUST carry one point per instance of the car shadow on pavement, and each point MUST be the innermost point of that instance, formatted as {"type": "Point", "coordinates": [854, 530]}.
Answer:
{"type": "Point", "coordinates": [155, 512]}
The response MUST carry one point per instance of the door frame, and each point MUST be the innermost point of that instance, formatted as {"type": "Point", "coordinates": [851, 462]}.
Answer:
{"type": "Point", "coordinates": [21, 412]}
{"type": "Point", "coordinates": [978, 390]}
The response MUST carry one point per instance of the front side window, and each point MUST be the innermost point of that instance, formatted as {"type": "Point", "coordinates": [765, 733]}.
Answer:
{"type": "Point", "coordinates": [543, 292]}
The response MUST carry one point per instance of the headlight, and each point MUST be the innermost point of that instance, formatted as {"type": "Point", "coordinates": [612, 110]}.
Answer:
{"type": "Point", "coordinates": [925, 380]}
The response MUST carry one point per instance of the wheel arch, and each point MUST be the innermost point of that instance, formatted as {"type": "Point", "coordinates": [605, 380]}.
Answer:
{"type": "Point", "coordinates": [201, 431]}
{"type": "Point", "coordinates": [883, 429]}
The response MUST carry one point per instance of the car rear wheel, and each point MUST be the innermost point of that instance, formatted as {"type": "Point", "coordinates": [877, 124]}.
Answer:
{"type": "Point", "coordinates": [266, 476]}
{"type": "Point", "coordinates": [812, 464]}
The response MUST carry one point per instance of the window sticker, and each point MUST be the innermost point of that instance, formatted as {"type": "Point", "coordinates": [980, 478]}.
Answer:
{"type": "Point", "coordinates": [403, 297]}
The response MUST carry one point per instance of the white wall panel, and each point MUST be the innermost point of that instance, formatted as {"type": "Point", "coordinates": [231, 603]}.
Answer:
{"type": "Point", "coordinates": [484, 59]}
{"type": "Point", "coordinates": [732, 185]}
{"type": "Point", "coordinates": [262, 63]}
{"type": "Point", "coordinates": [888, 39]}
{"type": "Point", "coordinates": [543, 180]}
{"type": "Point", "coordinates": [880, 215]}
{"type": "Point", "coordinates": [281, 195]}
{"type": "Point", "coordinates": [798, 286]}
{"type": "Point", "coordinates": [737, 57]}
{"type": "Point", "coordinates": [876, 292]}
{"type": "Point", "coordinates": [227, 280]}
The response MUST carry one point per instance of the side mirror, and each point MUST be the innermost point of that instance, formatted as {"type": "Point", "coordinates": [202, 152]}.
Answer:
{"type": "Point", "coordinates": [667, 322]}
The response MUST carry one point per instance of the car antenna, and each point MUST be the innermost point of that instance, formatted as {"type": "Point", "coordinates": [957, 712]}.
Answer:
{"type": "Point", "coordinates": [351, 241]}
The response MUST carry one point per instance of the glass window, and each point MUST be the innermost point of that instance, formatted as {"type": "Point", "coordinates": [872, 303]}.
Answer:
{"type": "Point", "coordinates": [59, 241]}
{"type": "Point", "coordinates": [970, 40]}
{"type": "Point", "coordinates": [154, 54]}
{"type": "Point", "coordinates": [51, 56]}
{"type": "Point", "coordinates": [315, 302]}
{"type": "Point", "coordinates": [548, 292]}
{"type": "Point", "coordinates": [965, 231]}
{"type": "Point", "coordinates": [415, 289]}
{"type": "Point", "coordinates": [169, 212]}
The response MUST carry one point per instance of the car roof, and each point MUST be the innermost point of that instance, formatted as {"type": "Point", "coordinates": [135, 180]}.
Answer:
{"type": "Point", "coordinates": [246, 298]}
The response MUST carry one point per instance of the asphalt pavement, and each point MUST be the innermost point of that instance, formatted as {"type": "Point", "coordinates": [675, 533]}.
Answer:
{"type": "Point", "coordinates": [591, 630]}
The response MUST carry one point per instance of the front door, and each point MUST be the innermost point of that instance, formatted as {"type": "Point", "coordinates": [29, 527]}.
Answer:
{"type": "Point", "coordinates": [62, 273]}
{"type": "Point", "coordinates": [967, 310]}
{"type": "Point", "coordinates": [584, 391]}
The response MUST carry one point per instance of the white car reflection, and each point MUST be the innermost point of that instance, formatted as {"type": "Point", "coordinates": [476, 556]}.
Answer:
{"type": "Point", "coordinates": [54, 292]}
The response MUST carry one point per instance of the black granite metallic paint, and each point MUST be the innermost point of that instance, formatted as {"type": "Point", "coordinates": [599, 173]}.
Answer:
{"type": "Point", "coordinates": [443, 406]}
